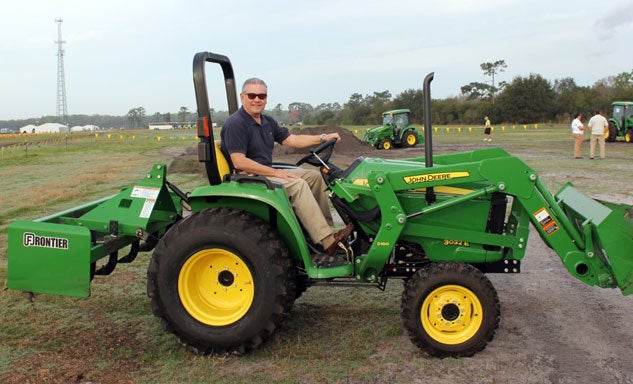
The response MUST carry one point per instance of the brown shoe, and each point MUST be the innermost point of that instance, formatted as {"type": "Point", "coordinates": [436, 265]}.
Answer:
{"type": "Point", "coordinates": [338, 237]}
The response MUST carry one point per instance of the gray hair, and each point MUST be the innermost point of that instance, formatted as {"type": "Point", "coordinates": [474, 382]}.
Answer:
{"type": "Point", "coordinates": [253, 80]}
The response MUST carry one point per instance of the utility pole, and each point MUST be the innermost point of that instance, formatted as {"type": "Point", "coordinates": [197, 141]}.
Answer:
{"type": "Point", "coordinates": [62, 108]}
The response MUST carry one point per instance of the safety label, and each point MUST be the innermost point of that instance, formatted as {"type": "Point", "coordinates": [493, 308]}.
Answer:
{"type": "Point", "coordinates": [148, 207]}
{"type": "Point", "coordinates": [145, 192]}
{"type": "Point", "coordinates": [545, 220]}
{"type": "Point", "coordinates": [150, 195]}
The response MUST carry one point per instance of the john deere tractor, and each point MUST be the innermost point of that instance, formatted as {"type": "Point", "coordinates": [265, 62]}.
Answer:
{"type": "Point", "coordinates": [621, 121]}
{"type": "Point", "coordinates": [230, 258]}
{"type": "Point", "coordinates": [394, 131]}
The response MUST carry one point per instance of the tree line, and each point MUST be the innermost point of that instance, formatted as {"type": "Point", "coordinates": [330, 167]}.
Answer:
{"type": "Point", "coordinates": [525, 99]}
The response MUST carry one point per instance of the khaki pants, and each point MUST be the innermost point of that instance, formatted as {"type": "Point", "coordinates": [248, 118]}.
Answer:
{"type": "Point", "coordinates": [309, 201]}
{"type": "Point", "coordinates": [592, 145]}
{"type": "Point", "coordinates": [577, 144]}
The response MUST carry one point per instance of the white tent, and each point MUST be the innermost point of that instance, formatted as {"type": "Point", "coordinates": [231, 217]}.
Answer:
{"type": "Point", "coordinates": [28, 129]}
{"type": "Point", "coordinates": [51, 127]}
{"type": "Point", "coordinates": [83, 128]}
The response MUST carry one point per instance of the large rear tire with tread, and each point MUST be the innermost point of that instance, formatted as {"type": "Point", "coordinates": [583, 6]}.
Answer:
{"type": "Point", "coordinates": [611, 134]}
{"type": "Point", "coordinates": [221, 280]}
{"type": "Point", "coordinates": [410, 139]}
{"type": "Point", "coordinates": [450, 309]}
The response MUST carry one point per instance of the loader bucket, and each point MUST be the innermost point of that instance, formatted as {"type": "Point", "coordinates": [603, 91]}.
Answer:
{"type": "Point", "coordinates": [608, 229]}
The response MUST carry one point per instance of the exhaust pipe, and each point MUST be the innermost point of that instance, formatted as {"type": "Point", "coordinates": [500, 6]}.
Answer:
{"type": "Point", "coordinates": [428, 136]}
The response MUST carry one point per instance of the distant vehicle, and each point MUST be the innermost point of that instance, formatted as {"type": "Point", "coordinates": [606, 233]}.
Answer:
{"type": "Point", "coordinates": [394, 131]}
{"type": "Point", "coordinates": [621, 122]}
{"type": "Point", "coordinates": [161, 126]}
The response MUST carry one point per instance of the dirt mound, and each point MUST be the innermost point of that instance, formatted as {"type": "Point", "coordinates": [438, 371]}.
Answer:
{"type": "Point", "coordinates": [348, 146]}
{"type": "Point", "coordinates": [186, 162]}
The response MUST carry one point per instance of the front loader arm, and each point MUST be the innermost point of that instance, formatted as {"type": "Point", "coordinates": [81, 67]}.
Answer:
{"type": "Point", "coordinates": [572, 233]}
{"type": "Point", "coordinates": [572, 238]}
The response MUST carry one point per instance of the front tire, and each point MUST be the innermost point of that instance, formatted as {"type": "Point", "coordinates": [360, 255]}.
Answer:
{"type": "Point", "coordinates": [385, 144]}
{"type": "Point", "coordinates": [450, 309]}
{"type": "Point", "coordinates": [221, 281]}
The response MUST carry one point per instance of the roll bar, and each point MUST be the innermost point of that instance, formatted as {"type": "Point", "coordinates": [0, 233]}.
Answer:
{"type": "Point", "coordinates": [206, 151]}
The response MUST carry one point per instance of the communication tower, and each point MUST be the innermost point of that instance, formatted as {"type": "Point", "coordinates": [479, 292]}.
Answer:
{"type": "Point", "coordinates": [62, 108]}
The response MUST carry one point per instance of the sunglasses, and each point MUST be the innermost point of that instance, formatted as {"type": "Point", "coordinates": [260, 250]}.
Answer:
{"type": "Point", "coordinates": [252, 96]}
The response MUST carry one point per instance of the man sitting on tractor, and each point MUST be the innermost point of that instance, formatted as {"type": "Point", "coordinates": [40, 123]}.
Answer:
{"type": "Point", "coordinates": [249, 136]}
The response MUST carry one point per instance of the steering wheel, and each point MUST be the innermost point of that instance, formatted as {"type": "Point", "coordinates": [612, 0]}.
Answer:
{"type": "Point", "coordinates": [311, 158]}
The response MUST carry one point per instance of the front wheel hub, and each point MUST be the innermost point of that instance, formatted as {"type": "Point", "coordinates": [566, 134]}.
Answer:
{"type": "Point", "coordinates": [451, 314]}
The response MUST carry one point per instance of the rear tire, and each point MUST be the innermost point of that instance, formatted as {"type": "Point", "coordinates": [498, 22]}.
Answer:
{"type": "Point", "coordinates": [450, 309]}
{"type": "Point", "coordinates": [612, 132]}
{"type": "Point", "coordinates": [221, 280]}
{"type": "Point", "coordinates": [410, 139]}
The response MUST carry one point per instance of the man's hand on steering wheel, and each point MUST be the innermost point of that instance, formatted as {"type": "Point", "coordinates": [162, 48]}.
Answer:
{"type": "Point", "coordinates": [328, 136]}
{"type": "Point", "coordinates": [310, 158]}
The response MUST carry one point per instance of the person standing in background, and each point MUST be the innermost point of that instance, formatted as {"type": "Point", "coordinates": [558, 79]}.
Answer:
{"type": "Point", "coordinates": [597, 126]}
{"type": "Point", "coordinates": [487, 129]}
{"type": "Point", "coordinates": [577, 129]}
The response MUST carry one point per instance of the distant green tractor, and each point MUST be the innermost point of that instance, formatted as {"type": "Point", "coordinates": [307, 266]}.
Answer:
{"type": "Point", "coordinates": [394, 131]}
{"type": "Point", "coordinates": [621, 122]}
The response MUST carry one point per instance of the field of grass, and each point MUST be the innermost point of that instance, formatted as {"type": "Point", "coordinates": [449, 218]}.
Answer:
{"type": "Point", "coordinates": [346, 335]}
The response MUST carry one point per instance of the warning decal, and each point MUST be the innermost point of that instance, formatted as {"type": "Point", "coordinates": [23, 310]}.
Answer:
{"type": "Point", "coordinates": [545, 220]}
{"type": "Point", "coordinates": [150, 195]}
{"type": "Point", "coordinates": [145, 192]}
{"type": "Point", "coordinates": [148, 207]}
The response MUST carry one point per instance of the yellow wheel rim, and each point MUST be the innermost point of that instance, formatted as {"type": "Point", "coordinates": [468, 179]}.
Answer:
{"type": "Point", "coordinates": [628, 138]}
{"type": "Point", "coordinates": [216, 287]}
{"type": "Point", "coordinates": [386, 145]}
{"type": "Point", "coordinates": [411, 139]}
{"type": "Point", "coordinates": [451, 314]}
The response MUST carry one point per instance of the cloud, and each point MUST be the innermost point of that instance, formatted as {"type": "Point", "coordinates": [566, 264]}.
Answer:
{"type": "Point", "coordinates": [612, 21]}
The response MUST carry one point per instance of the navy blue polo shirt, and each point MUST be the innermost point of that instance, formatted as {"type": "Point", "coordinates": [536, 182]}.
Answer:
{"type": "Point", "coordinates": [241, 133]}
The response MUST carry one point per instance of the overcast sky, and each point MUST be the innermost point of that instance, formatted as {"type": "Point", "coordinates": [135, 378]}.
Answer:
{"type": "Point", "coordinates": [121, 55]}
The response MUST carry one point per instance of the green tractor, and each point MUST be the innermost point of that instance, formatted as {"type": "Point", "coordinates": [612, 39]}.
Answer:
{"type": "Point", "coordinates": [394, 131]}
{"type": "Point", "coordinates": [621, 121]}
{"type": "Point", "coordinates": [230, 258]}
